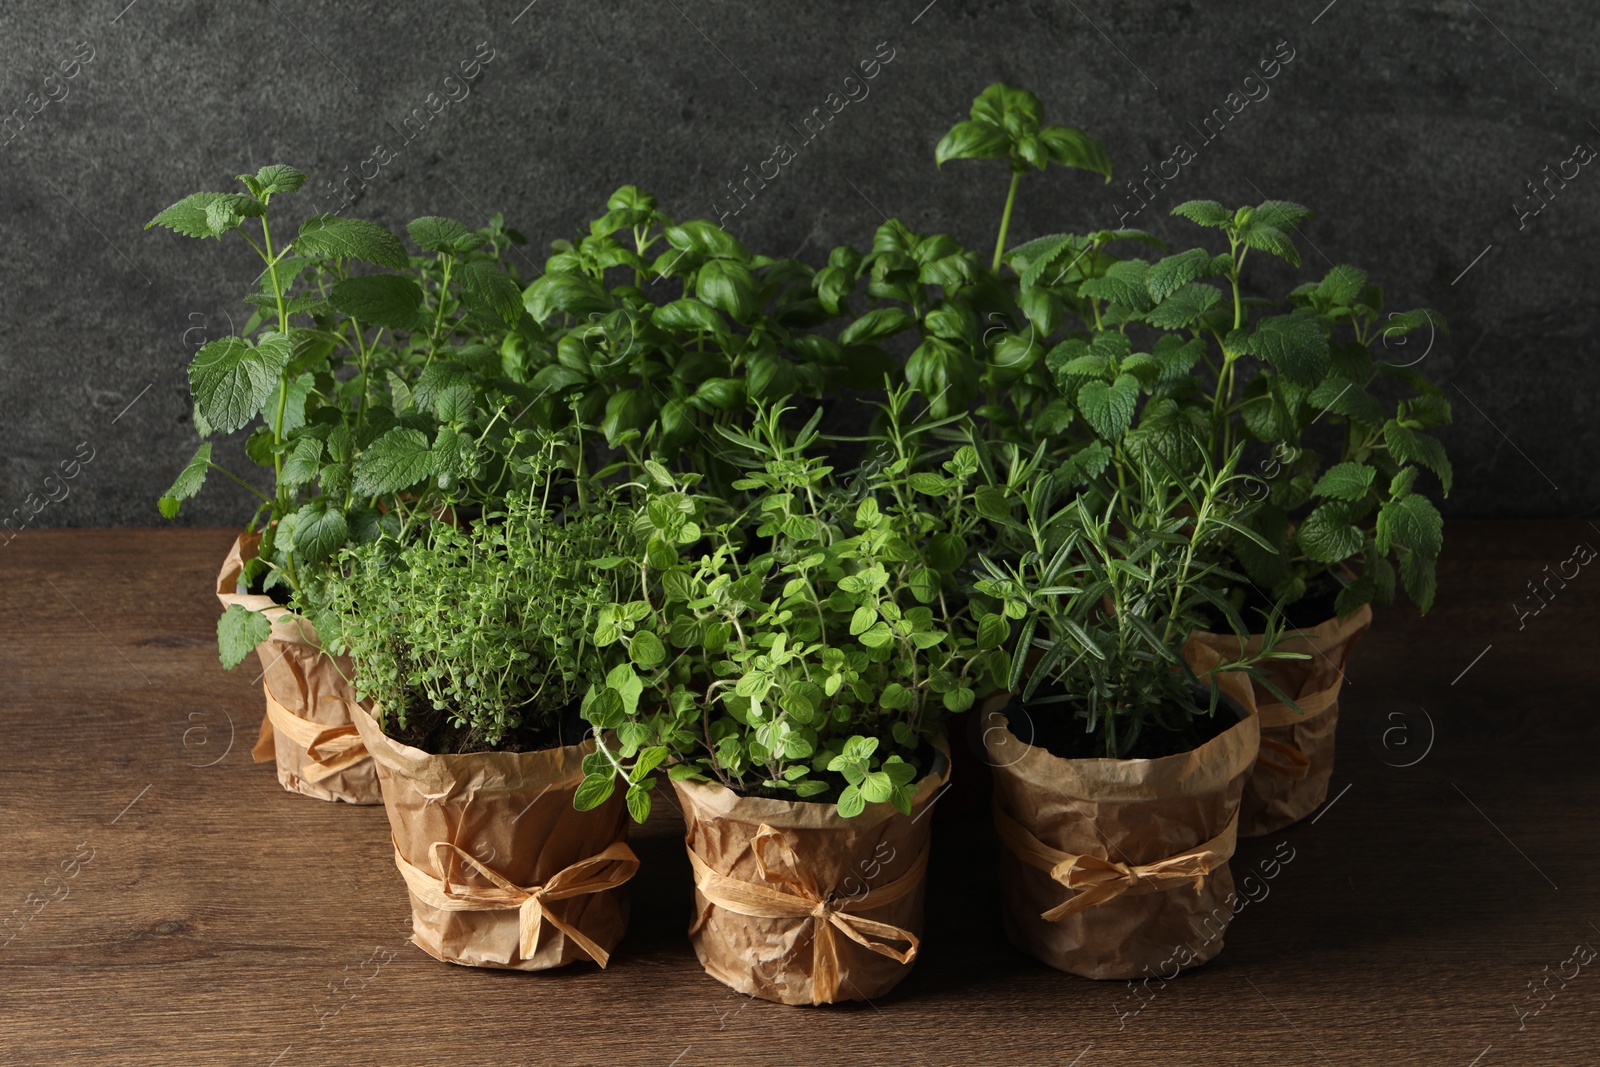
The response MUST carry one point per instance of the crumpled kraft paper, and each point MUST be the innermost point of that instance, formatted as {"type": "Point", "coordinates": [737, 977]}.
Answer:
{"type": "Point", "coordinates": [1150, 839]}
{"type": "Point", "coordinates": [1290, 779]}
{"type": "Point", "coordinates": [316, 747]}
{"type": "Point", "coordinates": [502, 870]}
{"type": "Point", "coordinates": [796, 904]}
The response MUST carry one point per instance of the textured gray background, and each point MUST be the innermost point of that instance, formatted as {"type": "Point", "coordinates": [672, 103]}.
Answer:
{"type": "Point", "coordinates": [1410, 127]}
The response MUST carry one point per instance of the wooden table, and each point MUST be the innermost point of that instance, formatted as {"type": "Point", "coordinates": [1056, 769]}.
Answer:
{"type": "Point", "coordinates": [215, 919]}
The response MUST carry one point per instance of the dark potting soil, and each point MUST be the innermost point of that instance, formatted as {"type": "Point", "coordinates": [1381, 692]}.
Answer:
{"type": "Point", "coordinates": [1309, 612]}
{"type": "Point", "coordinates": [279, 593]}
{"type": "Point", "coordinates": [1058, 728]}
{"type": "Point", "coordinates": [431, 730]}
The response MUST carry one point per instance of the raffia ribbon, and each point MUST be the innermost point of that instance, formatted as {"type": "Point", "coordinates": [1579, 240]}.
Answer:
{"type": "Point", "coordinates": [1097, 880]}
{"type": "Point", "coordinates": [1285, 758]}
{"type": "Point", "coordinates": [800, 898]}
{"type": "Point", "coordinates": [602, 871]}
{"type": "Point", "coordinates": [329, 748]}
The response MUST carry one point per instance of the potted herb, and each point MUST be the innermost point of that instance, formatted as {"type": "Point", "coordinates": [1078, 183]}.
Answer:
{"type": "Point", "coordinates": [792, 662]}
{"type": "Point", "coordinates": [1119, 762]}
{"type": "Point", "coordinates": [375, 398]}
{"type": "Point", "coordinates": [1337, 433]}
{"type": "Point", "coordinates": [653, 333]}
{"type": "Point", "coordinates": [472, 646]}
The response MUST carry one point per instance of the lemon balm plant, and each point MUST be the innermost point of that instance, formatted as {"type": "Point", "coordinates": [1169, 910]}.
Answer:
{"type": "Point", "coordinates": [370, 384]}
{"type": "Point", "coordinates": [372, 395]}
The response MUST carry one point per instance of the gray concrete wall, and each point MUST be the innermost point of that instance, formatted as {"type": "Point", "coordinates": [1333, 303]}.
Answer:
{"type": "Point", "coordinates": [1410, 127]}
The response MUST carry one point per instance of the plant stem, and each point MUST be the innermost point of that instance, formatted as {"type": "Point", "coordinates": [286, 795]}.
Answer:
{"type": "Point", "coordinates": [1005, 222]}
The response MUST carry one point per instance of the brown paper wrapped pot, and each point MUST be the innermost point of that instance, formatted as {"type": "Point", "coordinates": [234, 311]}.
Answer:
{"type": "Point", "coordinates": [796, 904]}
{"type": "Point", "coordinates": [1291, 775]}
{"type": "Point", "coordinates": [305, 729]}
{"type": "Point", "coordinates": [502, 870]}
{"type": "Point", "coordinates": [1118, 868]}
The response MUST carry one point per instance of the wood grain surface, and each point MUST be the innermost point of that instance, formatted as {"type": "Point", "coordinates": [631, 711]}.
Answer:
{"type": "Point", "coordinates": [169, 904]}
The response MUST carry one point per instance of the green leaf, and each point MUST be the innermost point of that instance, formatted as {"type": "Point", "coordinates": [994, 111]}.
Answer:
{"type": "Point", "coordinates": [705, 238]}
{"type": "Point", "coordinates": [1418, 574]}
{"type": "Point", "coordinates": [728, 286]}
{"type": "Point", "coordinates": [1342, 286]}
{"type": "Point", "coordinates": [1168, 275]}
{"type": "Point", "coordinates": [1328, 536]}
{"type": "Point", "coordinates": [319, 531]}
{"type": "Point", "coordinates": [993, 631]}
{"type": "Point", "coordinates": [688, 315]}
{"type": "Point", "coordinates": [340, 238]}
{"type": "Point", "coordinates": [433, 233]}
{"type": "Point", "coordinates": [1294, 344]}
{"type": "Point", "coordinates": [1068, 146]}
{"type": "Point", "coordinates": [379, 300]}
{"type": "Point", "coordinates": [1271, 240]}
{"type": "Point", "coordinates": [188, 481]}
{"type": "Point", "coordinates": [239, 631]}
{"type": "Point", "coordinates": [626, 409]}
{"type": "Point", "coordinates": [638, 803]}
{"type": "Point", "coordinates": [1184, 306]}
{"type": "Point", "coordinates": [1109, 407]}
{"type": "Point", "coordinates": [228, 210]}
{"type": "Point", "coordinates": [877, 324]}
{"type": "Point", "coordinates": [1014, 110]}
{"type": "Point", "coordinates": [992, 503]}
{"type": "Point", "coordinates": [1409, 446]}
{"type": "Point", "coordinates": [1125, 282]}
{"type": "Point", "coordinates": [876, 787]}
{"type": "Point", "coordinates": [1345, 481]}
{"type": "Point", "coordinates": [863, 619]}
{"type": "Point", "coordinates": [573, 294]}
{"type": "Point", "coordinates": [646, 649]}
{"type": "Point", "coordinates": [1204, 212]}
{"type": "Point", "coordinates": [851, 802]}
{"type": "Point", "coordinates": [276, 178]}
{"type": "Point", "coordinates": [486, 286]}
{"type": "Point", "coordinates": [398, 460]}
{"type": "Point", "coordinates": [947, 552]}
{"type": "Point", "coordinates": [303, 462]}
{"type": "Point", "coordinates": [189, 216]}
{"type": "Point", "coordinates": [1411, 522]}
{"type": "Point", "coordinates": [231, 380]}
{"type": "Point", "coordinates": [1280, 214]}
{"type": "Point", "coordinates": [972, 140]}
{"type": "Point", "coordinates": [593, 791]}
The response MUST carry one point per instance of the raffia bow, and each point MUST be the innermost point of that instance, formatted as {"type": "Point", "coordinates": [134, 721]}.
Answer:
{"type": "Point", "coordinates": [1096, 880]}
{"type": "Point", "coordinates": [793, 894]}
{"type": "Point", "coordinates": [602, 871]}
{"type": "Point", "coordinates": [329, 748]}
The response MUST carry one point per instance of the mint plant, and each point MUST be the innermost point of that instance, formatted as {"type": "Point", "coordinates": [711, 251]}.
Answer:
{"type": "Point", "coordinates": [802, 646]}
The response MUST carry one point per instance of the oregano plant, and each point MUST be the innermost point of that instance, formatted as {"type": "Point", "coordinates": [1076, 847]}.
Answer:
{"type": "Point", "coordinates": [801, 645]}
